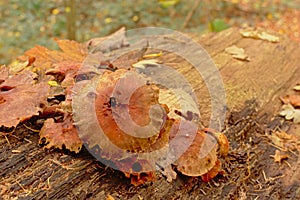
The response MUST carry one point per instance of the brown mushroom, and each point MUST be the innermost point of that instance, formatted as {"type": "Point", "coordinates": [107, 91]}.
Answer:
{"type": "Point", "coordinates": [200, 156]}
{"type": "Point", "coordinates": [128, 110]}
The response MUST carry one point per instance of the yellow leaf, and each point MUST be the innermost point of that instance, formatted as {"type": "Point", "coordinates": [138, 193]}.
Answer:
{"type": "Point", "coordinates": [53, 83]}
{"type": "Point", "coordinates": [154, 55]}
{"type": "Point", "coordinates": [259, 35]}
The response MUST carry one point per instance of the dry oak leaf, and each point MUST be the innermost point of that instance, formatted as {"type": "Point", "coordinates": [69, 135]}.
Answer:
{"type": "Point", "coordinates": [21, 98]}
{"type": "Point", "coordinates": [61, 134]}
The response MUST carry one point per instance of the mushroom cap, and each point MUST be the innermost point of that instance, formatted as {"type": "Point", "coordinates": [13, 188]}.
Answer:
{"type": "Point", "coordinates": [128, 110]}
{"type": "Point", "coordinates": [200, 157]}
{"type": "Point", "coordinates": [120, 119]}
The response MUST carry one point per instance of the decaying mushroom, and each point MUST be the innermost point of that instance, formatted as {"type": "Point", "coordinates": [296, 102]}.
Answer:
{"type": "Point", "coordinates": [123, 117]}
{"type": "Point", "coordinates": [200, 157]}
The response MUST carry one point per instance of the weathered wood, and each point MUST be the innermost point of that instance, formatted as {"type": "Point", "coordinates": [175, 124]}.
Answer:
{"type": "Point", "coordinates": [30, 172]}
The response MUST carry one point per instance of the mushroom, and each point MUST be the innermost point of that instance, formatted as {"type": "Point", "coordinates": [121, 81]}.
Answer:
{"type": "Point", "coordinates": [123, 117]}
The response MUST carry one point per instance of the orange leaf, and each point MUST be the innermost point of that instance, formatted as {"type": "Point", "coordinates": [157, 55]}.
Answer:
{"type": "Point", "coordinates": [61, 134]}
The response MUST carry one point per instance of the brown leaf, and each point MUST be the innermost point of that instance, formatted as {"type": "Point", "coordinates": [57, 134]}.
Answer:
{"type": "Point", "coordinates": [284, 140]}
{"type": "Point", "coordinates": [222, 141]}
{"type": "Point", "coordinates": [279, 157]}
{"type": "Point", "coordinates": [291, 99]}
{"type": "Point", "coordinates": [21, 98]}
{"type": "Point", "coordinates": [61, 134]}
{"type": "Point", "coordinates": [44, 58]}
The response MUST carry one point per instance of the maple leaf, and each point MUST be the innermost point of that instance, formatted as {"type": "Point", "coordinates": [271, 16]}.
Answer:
{"type": "Point", "coordinates": [61, 134]}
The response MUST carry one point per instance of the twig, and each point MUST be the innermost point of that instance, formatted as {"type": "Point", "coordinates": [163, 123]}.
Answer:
{"type": "Point", "coordinates": [21, 186]}
{"type": "Point", "coordinates": [33, 130]}
{"type": "Point", "coordinates": [270, 179]}
{"type": "Point", "coordinates": [190, 14]}
{"type": "Point", "coordinates": [4, 134]}
{"type": "Point", "coordinates": [6, 139]}
{"type": "Point", "coordinates": [63, 166]}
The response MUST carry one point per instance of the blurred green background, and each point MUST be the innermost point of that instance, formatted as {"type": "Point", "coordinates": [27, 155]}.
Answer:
{"type": "Point", "coordinates": [27, 23]}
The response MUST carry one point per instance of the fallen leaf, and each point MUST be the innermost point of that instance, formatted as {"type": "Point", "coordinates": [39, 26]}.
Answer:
{"type": "Point", "coordinates": [297, 88]}
{"type": "Point", "coordinates": [255, 34]}
{"type": "Point", "coordinates": [53, 83]}
{"type": "Point", "coordinates": [290, 113]}
{"type": "Point", "coordinates": [154, 55]}
{"type": "Point", "coordinates": [145, 63]}
{"type": "Point", "coordinates": [72, 51]}
{"type": "Point", "coordinates": [284, 140]}
{"type": "Point", "coordinates": [21, 98]}
{"type": "Point", "coordinates": [238, 53]}
{"type": "Point", "coordinates": [279, 157]}
{"type": "Point", "coordinates": [60, 134]}
{"type": "Point", "coordinates": [291, 99]}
